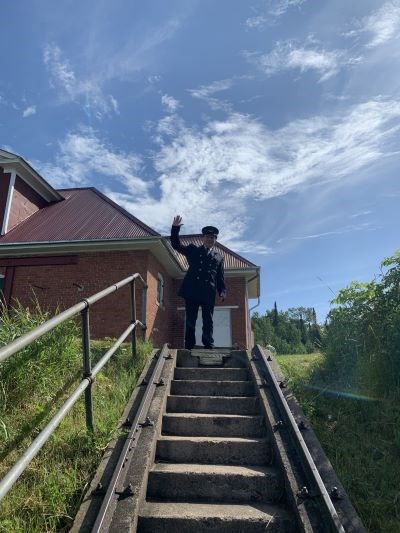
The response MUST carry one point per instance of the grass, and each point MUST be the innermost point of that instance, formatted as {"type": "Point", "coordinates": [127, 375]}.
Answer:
{"type": "Point", "coordinates": [33, 386]}
{"type": "Point", "coordinates": [360, 435]}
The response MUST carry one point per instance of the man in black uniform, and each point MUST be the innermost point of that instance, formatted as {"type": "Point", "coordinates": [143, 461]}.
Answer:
{"type": "Point", "coordinates": [204, 277]}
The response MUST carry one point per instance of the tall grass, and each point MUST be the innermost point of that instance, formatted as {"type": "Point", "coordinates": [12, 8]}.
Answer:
{"type": "Point", "coordinates": [33, 385]}
{"type": "Point", "coordinates": [360, 435]}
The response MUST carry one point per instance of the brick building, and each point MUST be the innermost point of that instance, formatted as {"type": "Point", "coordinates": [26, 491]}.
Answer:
{"type": "Point", "coordinates": [60, 246]}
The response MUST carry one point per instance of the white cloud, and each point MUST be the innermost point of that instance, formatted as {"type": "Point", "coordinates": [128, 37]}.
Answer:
{"type": "Point", "coordinates": [361, 214]}
{"type": "Point", "coordinates": [170, 103]}
{"type": "Point", "coordinates": [280, 7]}
{"type": "Point", "coordinates": [83, 157]}
{"type": "Point", "coordinates": [214, 174]}
{"type": "Point", "coordinates": [206, 93]}
{"type": "Point", "coordinates": [274, 9]}
{"type": "Point", "coordinates": [382, 25]}
{"type": "Point", "coordinates": [256, 22]}
{"type": "Point", "coordinates": [286, 56]}
{"type": "Point", "coordinates": [339, 231]}
{"type": "Point", "coordinates": [87, 92]}
{"type": "Point", "coordinates": [29, 111]}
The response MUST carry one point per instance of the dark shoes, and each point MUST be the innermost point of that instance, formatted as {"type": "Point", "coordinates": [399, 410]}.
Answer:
{"type": "Point", "coordinates": [209, 346]}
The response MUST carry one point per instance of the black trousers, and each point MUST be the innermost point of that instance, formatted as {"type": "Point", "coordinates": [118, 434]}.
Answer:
{"type": "Point", "coordinates": [192, 310]}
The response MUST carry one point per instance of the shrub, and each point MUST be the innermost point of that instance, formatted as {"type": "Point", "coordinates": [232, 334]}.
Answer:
{"type": "Point", "coordinates": [362, 337]}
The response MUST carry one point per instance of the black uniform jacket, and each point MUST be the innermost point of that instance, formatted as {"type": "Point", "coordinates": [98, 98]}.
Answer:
{"type": "Point", "coordinates": [206, 272]}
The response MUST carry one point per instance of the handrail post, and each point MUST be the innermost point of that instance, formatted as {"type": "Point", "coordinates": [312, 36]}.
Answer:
{"type": "Point", "coordinates": [144, 309]}
{"type": "Point", "coordinates": [87, 368]}
{"type": "Point", "coordinates": [133, 317]}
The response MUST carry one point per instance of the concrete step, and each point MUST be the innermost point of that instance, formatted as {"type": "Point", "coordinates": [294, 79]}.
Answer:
{"type": "Point", "coordinates": [222, 483]}
{"type": "Point", "coordinates": [226, 358]}
{"type": "Point", "coordinates": [212, 388]}
{"type": "Point", "coordinates": [217, 518]}
{"type": "Point", "coordinates": [213, 404]}
{"type": "Point", "coordinates": [215, 450]}
{"type": "Point", "coordinates": [211, 425]}
{"type": "Point", "coordinates": [212, 374]}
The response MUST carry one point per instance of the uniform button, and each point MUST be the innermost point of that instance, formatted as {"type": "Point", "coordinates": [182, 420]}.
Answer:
{"type": "Point", "coordinates": [199, 269]}
{"type": "Point", "coordinates": [198, 277]}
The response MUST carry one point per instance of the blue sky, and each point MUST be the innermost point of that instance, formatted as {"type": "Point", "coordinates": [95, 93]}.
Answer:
{"type": "Point", "coordinates": [276, 120]}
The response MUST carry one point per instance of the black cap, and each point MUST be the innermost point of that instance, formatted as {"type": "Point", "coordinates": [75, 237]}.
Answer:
{"type": "Point", "coordinates": [210, 230]}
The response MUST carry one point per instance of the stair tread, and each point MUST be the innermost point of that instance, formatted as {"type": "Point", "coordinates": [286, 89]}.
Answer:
{"type": "Point", "coordinates": [213, 439]}
{"type": "Point", "coordinates": [207, 381]}
{"type": "Point", "coordinates": [259, 511]}
{"type": "Point", "coordinates": [200, 398]}
{"type": "Point", "coordinates": [213, 415]}
{"type": "Point", "coordinates": [196, 468]}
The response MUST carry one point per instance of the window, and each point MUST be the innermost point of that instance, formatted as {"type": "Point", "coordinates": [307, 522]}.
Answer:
{"type": "Point", "coordinates": [160, 289]}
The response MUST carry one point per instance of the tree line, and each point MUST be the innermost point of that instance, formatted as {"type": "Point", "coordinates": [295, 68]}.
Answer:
{"type": "Point", "coordinates": [293, 331]}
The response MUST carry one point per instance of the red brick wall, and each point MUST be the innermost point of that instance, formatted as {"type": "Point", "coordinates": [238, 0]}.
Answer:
{"type": "Point", "coordinates": [159, 317]}
{"type": "Point", "coordinates": [25, 202]}
{"type": "Point", "coordinates": [57, 285]}
{"type": "Point", "coordinates": [4, 182]}
{"type": "Point", "coordinates": [236, 295]}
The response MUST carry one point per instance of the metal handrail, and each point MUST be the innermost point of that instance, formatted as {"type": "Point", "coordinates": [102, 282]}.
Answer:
{"type": "Point", "coordinates": [307, 459]}
{"type": "Point", "coordinates": [88, 373]}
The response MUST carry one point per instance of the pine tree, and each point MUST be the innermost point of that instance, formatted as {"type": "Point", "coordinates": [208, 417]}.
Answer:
{"type": "Point", "coordinates": [275, 316]}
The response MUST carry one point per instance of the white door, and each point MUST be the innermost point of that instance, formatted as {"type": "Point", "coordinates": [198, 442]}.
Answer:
{"type": "Point", "coordinates": [222, 327]}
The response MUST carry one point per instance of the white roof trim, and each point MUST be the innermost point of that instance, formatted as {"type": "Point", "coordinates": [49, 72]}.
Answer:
{"type": "Point", "coordinates": [29, 175]}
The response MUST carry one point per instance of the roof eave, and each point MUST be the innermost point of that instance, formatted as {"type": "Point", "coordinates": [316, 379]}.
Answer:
{"type": "Point", "coordinates": [151, 243]}
{"type": "Point", "coordinates": [31, 177]}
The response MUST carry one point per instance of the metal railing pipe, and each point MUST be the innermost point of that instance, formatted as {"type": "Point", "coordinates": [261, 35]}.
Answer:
{"type": "Point", "coordinates": [11, 477]}
{"type": "Point", "coordinates": [26, 339]}
{"type": "Point", "coordinates": [144, 305]}
{"type": "Point", "coordinates": [87, 368]}
{"type": "Point", "coordinates": [96, 369]}
{"type": "Point", "coordinates": [133, 317]}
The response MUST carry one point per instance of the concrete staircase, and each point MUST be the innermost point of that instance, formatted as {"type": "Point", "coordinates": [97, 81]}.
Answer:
{"type": "Point", "coordinates": [212, 471]}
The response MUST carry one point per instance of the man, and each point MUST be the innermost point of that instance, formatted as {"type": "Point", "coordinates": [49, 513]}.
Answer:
{"type": "Point", "coordinates": [204, 277]}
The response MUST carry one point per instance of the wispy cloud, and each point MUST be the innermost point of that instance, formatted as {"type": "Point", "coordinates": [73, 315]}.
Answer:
{"type": "Point", "coordinates": [288, 56]}
{"type": "Point", "coordinates": [382, 25]}
{"type": "Point", "coordinates": [82, 155]}
{"type": "Point", "coordinates": [170, 103]}
{"type": "Point", "coordinates": [29, 111]}
{"type": "Point", "coordinates": [86, 92]}
{"type": "Point", "coordinates": [361, 213]}
{"type": "Point", "coordinates": [214, 174]}
{"type": "Point", "coordinates": [339, 231]}
{"type": "Point", "coordinates": [207, 92]}
{"type": "Point", "coordinates": [274, 9]}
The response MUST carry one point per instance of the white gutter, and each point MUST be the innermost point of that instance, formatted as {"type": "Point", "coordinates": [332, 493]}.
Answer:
{"type": "Point", "coordinates": [10, 192]}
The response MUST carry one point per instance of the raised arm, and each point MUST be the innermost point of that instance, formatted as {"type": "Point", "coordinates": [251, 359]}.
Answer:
{"type": "Point", "coordinates": [176, 243]}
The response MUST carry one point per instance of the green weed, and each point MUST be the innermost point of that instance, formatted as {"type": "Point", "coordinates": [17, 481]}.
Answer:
{"type": "Point", "coordinates": [33, 385]}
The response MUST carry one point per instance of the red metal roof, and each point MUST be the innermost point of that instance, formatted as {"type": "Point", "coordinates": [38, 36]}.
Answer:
{"type": "Point", "coordinates": [232, 260]}
{"type": "Point", "coordinates": [84, 214]}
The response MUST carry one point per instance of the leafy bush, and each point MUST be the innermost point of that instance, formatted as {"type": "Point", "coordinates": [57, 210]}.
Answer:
{"type": "Point", "coordinates": [362, 337]}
